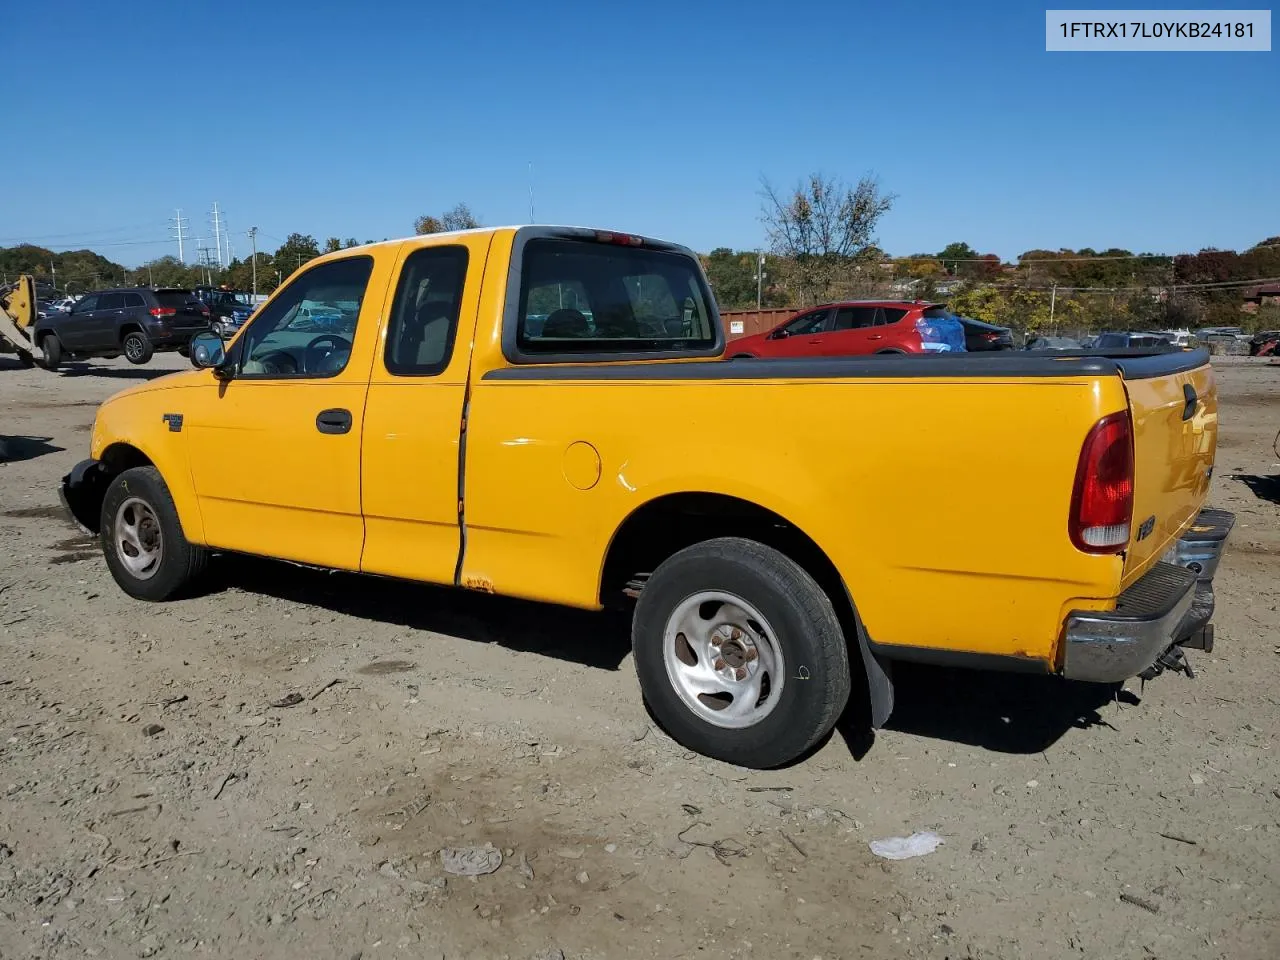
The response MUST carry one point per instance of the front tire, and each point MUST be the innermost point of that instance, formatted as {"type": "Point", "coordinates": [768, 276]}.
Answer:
{"type": "Point", "coordinates": [739, 653]}
{"type": "Point", "coordinates": [52, 348]}
{"type": "Point", "coordinates": [137, 348]}
{"type": "Point", "coordinates": [142, 539]}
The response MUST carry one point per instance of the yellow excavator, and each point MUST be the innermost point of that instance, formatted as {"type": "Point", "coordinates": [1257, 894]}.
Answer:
{"type": "Point", "coordinates": [18, 321]}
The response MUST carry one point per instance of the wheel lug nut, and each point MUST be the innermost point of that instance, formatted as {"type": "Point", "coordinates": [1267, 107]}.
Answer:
{"type": "Point", "coordinates": [740, 673]}
{"type": "Point", "coordinates": [750, 654]}
{"type": "Point", "coordinates": [720, 664]}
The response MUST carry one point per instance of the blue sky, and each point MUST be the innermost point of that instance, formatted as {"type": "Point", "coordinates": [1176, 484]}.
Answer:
{"type": "Point", "coordinates": [350, 119]}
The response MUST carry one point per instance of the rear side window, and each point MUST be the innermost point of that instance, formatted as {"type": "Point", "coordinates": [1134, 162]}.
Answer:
{"type": "Point", "coordinates": [582, 297]}
{"type": "Point", "coordinates": [134, 300]}
{"type": "Point", "coordinates": [424, 315]}
{"type": "Point", "coordinates": [111, 301]}
{"type": "Point", "coordinates": [173, 298]}
{"type": "Point", "coordinates": [1112, 340]}
{"type": "Point", "coordinates": [889, 315]}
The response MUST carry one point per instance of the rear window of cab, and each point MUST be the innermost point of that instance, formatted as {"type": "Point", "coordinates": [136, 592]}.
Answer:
{"type": "Point", "coordinates": [579, 297]}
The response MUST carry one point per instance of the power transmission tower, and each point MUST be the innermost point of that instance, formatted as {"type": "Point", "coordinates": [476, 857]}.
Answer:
{"type": "Point", "coordinates": [217, 231]}
{"type": "Point", "coordinates": [207, 262]}
{"type": "Point", "coordinates": [178, 230]}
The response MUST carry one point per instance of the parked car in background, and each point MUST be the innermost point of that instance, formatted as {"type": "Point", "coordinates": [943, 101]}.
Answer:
{"type": "Point", "coordinates": [1181, 338]}
{"type": "Point", "coordinates": [1053, 343]}
{"type": "Point", "coordinates": [1129, 341]}
{"type": "Point", "coordinates": [857, 328]}
{"type": "Point", "coordinates": [980, 335]}
{"type": "Point", "coordinates": [1208, 334]}
{"type": "Point", "coordinates": [134, 322]}
{"type": "Point", "coordinates": [228, 309]}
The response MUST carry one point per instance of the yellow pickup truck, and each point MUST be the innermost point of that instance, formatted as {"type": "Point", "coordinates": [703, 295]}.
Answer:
{"type": "Point", "coordinates": [547, 413]}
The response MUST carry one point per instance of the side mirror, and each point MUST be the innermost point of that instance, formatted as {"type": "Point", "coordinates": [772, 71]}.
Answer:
{"type": "Point", "coordinates": [779, 334]}
{"type": "Point", "coordinates": [207, 352]}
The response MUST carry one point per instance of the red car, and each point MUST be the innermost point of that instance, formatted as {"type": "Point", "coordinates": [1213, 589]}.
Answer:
{"type": "Point", "coordinates": [858, 327]}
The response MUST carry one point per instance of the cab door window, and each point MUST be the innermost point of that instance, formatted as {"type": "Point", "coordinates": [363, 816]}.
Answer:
{"type": "Point", "coordinates": [307, 330]}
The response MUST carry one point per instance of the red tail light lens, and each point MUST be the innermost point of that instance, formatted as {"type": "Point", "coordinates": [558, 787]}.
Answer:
{"type": "Point", "coordinates": [1102, 502]}
{"type": "Point", "coordinates": [158, 312]}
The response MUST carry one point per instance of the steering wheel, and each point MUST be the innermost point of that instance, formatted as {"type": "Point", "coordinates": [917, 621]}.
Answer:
{"type": "Point", "coordinates": [315, 357]}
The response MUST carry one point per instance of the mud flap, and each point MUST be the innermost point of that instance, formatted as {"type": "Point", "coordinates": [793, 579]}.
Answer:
{"type": "Point", "coordinates": [81, 492]}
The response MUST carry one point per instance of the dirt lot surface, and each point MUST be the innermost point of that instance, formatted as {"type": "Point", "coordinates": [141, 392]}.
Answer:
{"type": "Point", "coordinates": [160, 797]}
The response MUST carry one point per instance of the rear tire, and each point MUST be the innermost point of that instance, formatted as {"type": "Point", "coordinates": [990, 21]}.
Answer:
{"type": "Point", "coordinates": [142, 539]}
{"type": "Point", "coordinates": [739, 653]}
{"type": "Point", "coordinates": [743, 356]}
{"type": "Point", "coordinates": [137, 348]}
{"type": "Point", "coordinates": [52, 348]}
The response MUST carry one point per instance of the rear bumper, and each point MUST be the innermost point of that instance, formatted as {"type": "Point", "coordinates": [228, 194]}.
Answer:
{"type": "Point", "coordinates": [1171, 604]}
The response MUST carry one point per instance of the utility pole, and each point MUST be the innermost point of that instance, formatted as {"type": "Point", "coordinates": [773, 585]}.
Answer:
{"type": "Point", "coordinates": [53, 273]}
{"type": "Point", "coordinates": [217, 232]}
{"type": "Point", "coordinates": [1053, 299]}
{"type": "Point", "coordinates": [179, 226]}
{"type": "Point", "coordinates": [253, 239]}
{"type": "Point", "coordinates": [759, 279]}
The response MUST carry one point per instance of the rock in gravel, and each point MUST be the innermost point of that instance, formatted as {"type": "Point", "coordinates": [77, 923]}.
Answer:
{"type": "Point", "coordinates": [639, 732]}
{"type": "Point", "coordinates": [583, 877]}
{"type": "Point", "coordinates": [470, 861]}
{"type": "Point", "coordinates": [151, 729]}
{"type": "Point", "coordinates": [148, 946]}
{"type": "Point", "coordinates": [551, 953]}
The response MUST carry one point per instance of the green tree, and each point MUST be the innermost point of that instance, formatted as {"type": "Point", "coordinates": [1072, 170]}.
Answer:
{"type": "Point", "coordinates": [296, 250]}
{"type": "Point", "coordinates": [350, 242]}
{"type": "Point", "coordinates": [332, 245]}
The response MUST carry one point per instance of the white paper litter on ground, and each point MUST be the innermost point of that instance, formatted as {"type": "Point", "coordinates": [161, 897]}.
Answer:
{"type": "Point", "coordinates": [904, 848]}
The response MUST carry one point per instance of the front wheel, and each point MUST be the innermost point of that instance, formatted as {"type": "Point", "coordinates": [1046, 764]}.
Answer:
{"type": "Point", "coordinates": [142, 539]}
{"type": "Point", "coordinates": [739, 653]}
{"type": "Point", "coordinates": [51, 346]}
{"type": "Point", "coordinates": [137, 348]}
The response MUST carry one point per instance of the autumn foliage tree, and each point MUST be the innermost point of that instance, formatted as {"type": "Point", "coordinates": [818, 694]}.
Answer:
{"type": "Point", "coordinates": [459, 218]}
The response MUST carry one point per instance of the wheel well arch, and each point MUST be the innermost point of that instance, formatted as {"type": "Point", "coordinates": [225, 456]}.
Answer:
{"type": "Point", "coordinates": [120, 456]}
{"type": "Point", "coordinates": [131, 326]}
{"type": "Point", "coordinates": [668, 524]}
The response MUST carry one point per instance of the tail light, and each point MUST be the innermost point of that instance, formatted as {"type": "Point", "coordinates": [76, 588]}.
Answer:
{"type": "Point", "coordinates": [160, 312]}
{"type": "Point", "coordinates": [622, 239]}
{"type": "Point", "coordinates": [1102, 502]}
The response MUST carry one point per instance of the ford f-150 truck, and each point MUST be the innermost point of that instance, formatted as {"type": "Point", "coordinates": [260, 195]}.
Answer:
{"type": "Point", "coordinates": [432, 432]}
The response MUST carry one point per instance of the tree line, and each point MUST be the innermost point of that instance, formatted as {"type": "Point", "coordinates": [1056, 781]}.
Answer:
{"type": "Point", "coordinates": [822, 247]}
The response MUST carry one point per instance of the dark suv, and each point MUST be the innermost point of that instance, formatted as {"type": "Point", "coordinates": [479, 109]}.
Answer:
{"type": "Point", "coordinates": [136, 322]}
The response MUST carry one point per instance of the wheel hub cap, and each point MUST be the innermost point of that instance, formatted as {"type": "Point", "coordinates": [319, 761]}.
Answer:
{"type": "Point", "coordinates": [723, 659]}
{"type": "Point", "coordinates": [138, 541]}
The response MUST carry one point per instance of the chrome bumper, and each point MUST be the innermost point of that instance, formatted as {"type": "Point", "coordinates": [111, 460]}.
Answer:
{"type": "Point", "coordinates": [1200, 548]}
{"type": "Point", "coordinates": [1171, 604]}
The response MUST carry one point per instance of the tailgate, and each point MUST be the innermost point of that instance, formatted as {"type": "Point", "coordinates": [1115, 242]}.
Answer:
{"type": "Point", "coordinates": [1174, 402]}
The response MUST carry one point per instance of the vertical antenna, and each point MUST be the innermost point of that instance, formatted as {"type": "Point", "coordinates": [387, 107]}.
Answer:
{"type": "Point", "coordinates": [531, 191]}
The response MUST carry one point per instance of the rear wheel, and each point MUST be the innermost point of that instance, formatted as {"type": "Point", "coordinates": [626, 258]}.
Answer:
{"type": "Point", "coordinates": [137, 348]}
{"type": "Point", "coordinates": [742, 356]}
{"type": "Point", "coordinates": [142, 539]}
{"type": "Point", "coordinates": [739, 653]}
{"type": "Point", "coordinates": [52, 348]}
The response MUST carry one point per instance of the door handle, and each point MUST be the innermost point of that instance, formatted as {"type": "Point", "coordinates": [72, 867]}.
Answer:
{"type": "Point", "coordinates": [815, 339]}
{"type": "Point", "coordinates": [333, 421]}
{"type": "Point", "coordinates": [876, 336]}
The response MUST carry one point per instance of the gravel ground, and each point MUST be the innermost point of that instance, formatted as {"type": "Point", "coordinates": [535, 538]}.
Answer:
{"type": "Point", "coordinates": [161, 793]}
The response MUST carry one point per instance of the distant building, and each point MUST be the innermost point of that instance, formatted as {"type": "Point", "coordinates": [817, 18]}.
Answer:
{"type": "Point", "coordinates": [1267, 293]}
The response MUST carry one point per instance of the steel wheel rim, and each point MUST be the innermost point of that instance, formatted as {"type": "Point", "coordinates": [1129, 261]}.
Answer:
{"type": "Point", "coordinates": [723, 659]}
{"type": "Point", "coordinates": [133, 348]}
{"type": "Point", "coordinates": [138, 542]}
